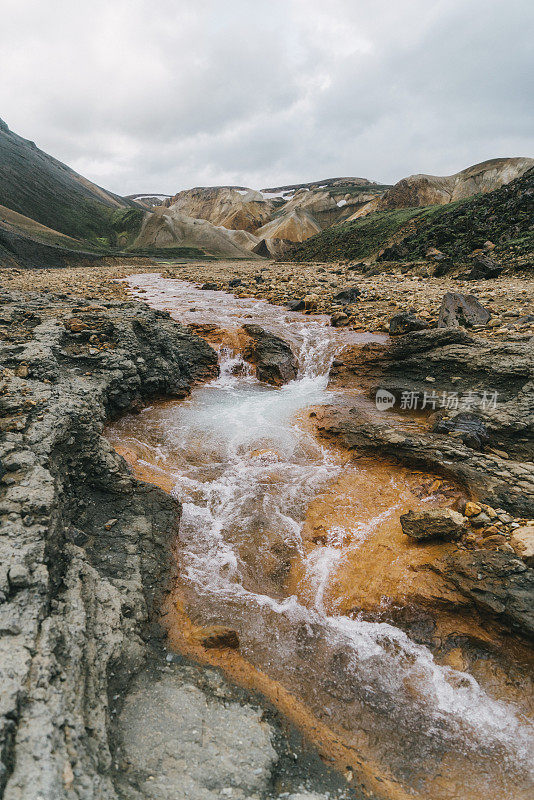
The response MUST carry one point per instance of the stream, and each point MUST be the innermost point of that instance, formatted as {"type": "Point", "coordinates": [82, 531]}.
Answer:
{"type": "Point", "coordinates": [245, 463]}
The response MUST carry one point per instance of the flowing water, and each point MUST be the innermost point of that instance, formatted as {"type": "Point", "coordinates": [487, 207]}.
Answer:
{"type": "Point", "coordinates": [246, 467]}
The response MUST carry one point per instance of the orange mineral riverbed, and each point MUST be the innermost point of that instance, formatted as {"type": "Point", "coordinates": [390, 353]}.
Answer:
{"type": "Point", "coordinates": [295, 546]}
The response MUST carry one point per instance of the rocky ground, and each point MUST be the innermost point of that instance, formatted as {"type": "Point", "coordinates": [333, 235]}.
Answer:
{"type": "Point", "coordinates": [509, 297]}
{"type": "Point", "coordinates": [86, 555]}
{"type": "Point", "coordinates": [86, 548]}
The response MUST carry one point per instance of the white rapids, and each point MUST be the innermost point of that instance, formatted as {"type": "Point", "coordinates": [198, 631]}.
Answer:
{"type": "Point", "coordinates": [245, 471]}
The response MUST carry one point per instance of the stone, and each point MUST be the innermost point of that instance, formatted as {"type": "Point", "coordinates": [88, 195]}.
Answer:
{"type": "Point", "coordinates": [296, 305]}
{"type": "Point", "coordinates": [522, 541]}
{"type": "Point", "coordinates": [498, 583]}
{"type": "Point", "coordinates": [461, 310]}
{"type": "Point", "coordinates": [348, 295]}
{"type": "Point", "coordinates": [217, 636]}
{"type": "Point", "coordinates": [339, 319]}
{"type": "Point", "coordinates": [273, 358]}
{"type": "Point", "coordinates": [472, 509]}
{"type": "Point", "coordinates": [439, 523]}
{"type": "Point", "coordinates": [484, 267]}
{"type": "Point", "coordinates": [181, 743]}
{"type": "Point", "coordinates": [468, 426]}
{"type": "Point", "coordinates": [209, 286]}
{"type": "Point", "coordinates": [405, 322]}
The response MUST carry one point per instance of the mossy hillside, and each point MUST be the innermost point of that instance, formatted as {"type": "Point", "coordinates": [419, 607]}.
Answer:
{"type": "Point", "coordinates": [354, 240]}
{"type": "Point", "coordinates": [41, 188]}
{"type": "Point", "coordinates": [504, 217]}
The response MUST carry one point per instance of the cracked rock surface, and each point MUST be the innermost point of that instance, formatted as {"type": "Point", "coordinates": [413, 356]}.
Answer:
{"type": "Point", "coordinates": [89, 704]}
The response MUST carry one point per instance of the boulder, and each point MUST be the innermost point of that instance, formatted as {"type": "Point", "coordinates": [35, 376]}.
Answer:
{"type": "Point", "coordinates": [522, 540]}
{"type": "Point", "coordinates": [437, 523]}
{"type": "Point", "coordinates": [484, 268]}
{"type": "Point", "coordinates": [405, 322]}
{"type": "Point", "coordinates": [272, 357]}
{"type": "Point", "coordinates": [461, 310]}
{"type": "Point", "coordinates": [296, 305]}
{"type": "Point", "coordinates": [339, 319]}
{"type": "Point", "coordinates": [348, 295]}
{"type": "Point", "coordinates": [209, 286]}
{"type": "Point", "coordinates": [470, 429]}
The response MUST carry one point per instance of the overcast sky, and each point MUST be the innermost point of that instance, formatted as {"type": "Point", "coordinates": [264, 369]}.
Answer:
{"type": "Point", "coordinates": [161, 95]}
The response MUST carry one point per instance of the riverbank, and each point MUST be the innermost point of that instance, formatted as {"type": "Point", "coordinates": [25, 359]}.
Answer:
{"type": "Point", "coordinates": [77, 354]}
{"type": "Point", "coordinates": [382, 295]}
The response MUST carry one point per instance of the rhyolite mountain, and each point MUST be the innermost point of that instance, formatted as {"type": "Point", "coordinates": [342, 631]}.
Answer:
{"type": "Point", "coordinates": [51, 216]}
{"type": "Point", "coordinates": [501, 219]}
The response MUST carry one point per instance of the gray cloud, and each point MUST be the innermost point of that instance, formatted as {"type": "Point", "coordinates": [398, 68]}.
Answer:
{"type": "Point", "coordinates": [143, 96]}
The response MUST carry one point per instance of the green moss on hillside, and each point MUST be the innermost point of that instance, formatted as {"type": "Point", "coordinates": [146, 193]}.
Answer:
{"type": "Point", "coordinates": [354, 240]}
{"type": "Point", "coordinates": [504, 217]}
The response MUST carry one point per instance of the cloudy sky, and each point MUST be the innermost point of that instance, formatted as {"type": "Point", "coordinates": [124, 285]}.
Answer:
{"type": "Point", "coordinates": [160, 95]}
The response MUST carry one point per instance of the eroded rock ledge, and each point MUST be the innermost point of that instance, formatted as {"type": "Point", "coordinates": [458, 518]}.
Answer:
{"type": "Point", "coordinates": [85, 549]}
{"type": "Point", "coordinates": [92, 706]}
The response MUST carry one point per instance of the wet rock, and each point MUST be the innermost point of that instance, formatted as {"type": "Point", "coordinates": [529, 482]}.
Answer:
{"type": "Point", "coordinates": [234, 282]}
{"type": "Point", "coordinates": [339, 319]}
{"type": "Point", "coordinates": [499, 584]}
{"type": "Point", "coordinates": [522, 541]}
{"type": "Point", "coordinates": [272, 357]}
{"type": "Point", "coordinates": [472, 430]}
{"type": "Point", "coordinates": [461, 310]}
{"type": "Point", "coordinates": [440, 523]}
{"type": "Point", "coordinates": [500, 484]}
{"type": "Point", "coordinates": [217, 636]}
{"type": "Point", "coordinates": [348, 295]}
{"type": "Point", "coordinates": [405, 322]}
{"type": "Point", "coordinates": [209, 286]}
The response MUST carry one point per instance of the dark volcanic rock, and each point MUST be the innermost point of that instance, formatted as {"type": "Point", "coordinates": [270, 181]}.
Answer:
{"type": "Point", "coordinates": [438, 523]}
{"type": "Point", "coordinates": [484, 268]}
{"type": "Point", "coordinates": [405, 322]}
{"type": "Point", "coordinates": [86, 549]}
{"type": "Point", "coordinates": [498, 583]}
{"type": "Point", "coordinates": [500, 483]}
{"type": "Point", "coordinates": [461, 310]}
{"type": "Point", "coordinates": [296, 305]}
{"type": "Point", "coordinates": [272, 357]}
{"type": "Point", "coordinates": [473, 432]}
{"type": "Point", "coordinates": [348, 295]}
{"type": "Point", "coordinates": [492, 380]}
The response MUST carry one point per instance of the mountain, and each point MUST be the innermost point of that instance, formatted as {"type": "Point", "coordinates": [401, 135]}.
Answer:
{"type": "Point", "coordinates": [166, 229]}
{"type": "Point", "coordinates": [40, 187]}
{"type": "Point", "coordinates": [274, 218]}
{"type": "Point", "coordinates": [50, 215]}
{"type": "Point", "coordinates": [427, 190]}
{"type": "Point", "coordinates": [503, 216]}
